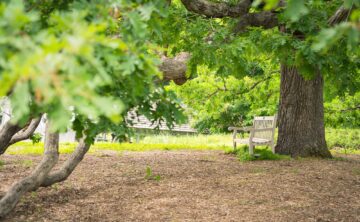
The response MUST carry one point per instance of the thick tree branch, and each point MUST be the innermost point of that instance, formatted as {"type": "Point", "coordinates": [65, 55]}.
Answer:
{"type": "Point", "coordinates": [13, 133]}
{"type": "Point", "coordinates": [264, 19]}
{"type": "Point", "coordinates": [6, 134]}
{"type": "Point", "coordinates": [217, 10]}
{"type": "Point", "coordinates": [340, 15]}
{"type": "Point", "coordinates": [26, 132]}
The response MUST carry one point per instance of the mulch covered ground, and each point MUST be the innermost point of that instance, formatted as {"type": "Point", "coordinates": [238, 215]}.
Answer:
{"type": "Point", "coordinates": [193, 186]}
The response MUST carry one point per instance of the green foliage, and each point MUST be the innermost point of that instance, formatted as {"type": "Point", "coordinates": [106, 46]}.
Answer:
{"type": "Point", "coordinates": [87, 63]}
{"type": "Point", "coordinates": [75, 60]}
{"type": "Point", "coordinates": [36, 138]}
{"type": "Point", "coordinates": [224, 64]}
{"type": "Point", "coordinates": [343, 111]}
{"type": "Point", "coordinates": [215, 103]}
{"type": "Point", "coordinates": [242, 153]}
{"type": "Point", "coordinates": [343, 138]}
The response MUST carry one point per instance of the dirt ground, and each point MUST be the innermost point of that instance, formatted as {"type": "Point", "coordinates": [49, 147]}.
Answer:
{"type": "Point", "coordinates": [193, 186]}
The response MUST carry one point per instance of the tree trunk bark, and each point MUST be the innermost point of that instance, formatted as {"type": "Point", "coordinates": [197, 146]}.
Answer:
{"type": "Point", "coordinates": [301, 115]}
{"type": "Point", "coordinates": [6, 133]}
{"type": "Point", "coordinates": [33, 181]}
{"type": "Point", "coordinates": [13, 133]}
{"type": "Point", "coordinates": [68, 167]}
{"type": "Point", "coordinates": [26, 132]}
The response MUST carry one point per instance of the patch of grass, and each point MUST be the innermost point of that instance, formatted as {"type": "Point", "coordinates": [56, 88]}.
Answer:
{"type": "Point", "coordinates": [28, 148]}
{"type": "Point", "coordinates": [257, 170]}
{"type": "Point", "coordinates": [343, 139]}
{"type": "Point", "coordinates": [150, 175]}
{"type": "Point", "coordinates": [356, 171]}
{"type": "Point", "coordinates": [214, 140]}
{"type": "Point", "coordinates": [339, 140]}
{"type": "Point", "coordinates": [26, 163]}
{"type": "Point", "coordinates": [243, 155]}
{"type": "Point", "coordinates": [150, 147]}
{"type": "Point", "coordinates": [2, 164]}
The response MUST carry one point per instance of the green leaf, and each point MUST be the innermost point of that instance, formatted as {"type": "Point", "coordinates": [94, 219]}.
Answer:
{"type": "Point", "coordinates": [295, 9]}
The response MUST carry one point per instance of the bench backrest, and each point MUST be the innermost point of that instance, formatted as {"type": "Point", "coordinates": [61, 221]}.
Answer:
{"type": "Point", "coordinates": [262, 122]}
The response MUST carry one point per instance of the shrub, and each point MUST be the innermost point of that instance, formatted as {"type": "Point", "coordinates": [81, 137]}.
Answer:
{"type": "Point", "coordinates": [36, 138]}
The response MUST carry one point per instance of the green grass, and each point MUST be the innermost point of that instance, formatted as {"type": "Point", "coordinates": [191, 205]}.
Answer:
{"type": "Point", "coordinates": [261, 153]}
{"type": "Point", "coordinates": [27, 148]}
{"type": "Point", "coordinates": [339, 140]}
{"type": "Point", "coordinates": [26, 163]}
{"type": "Point", "coordinates": [2, 163]}
{"type": "Point", "coordinates": [343, 138]}
{"type": "Point", "coordinates": [208, 140]}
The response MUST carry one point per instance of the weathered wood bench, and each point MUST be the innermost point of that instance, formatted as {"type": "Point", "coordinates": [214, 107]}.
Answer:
{"type": "Point", "coordinates": [261, 133]}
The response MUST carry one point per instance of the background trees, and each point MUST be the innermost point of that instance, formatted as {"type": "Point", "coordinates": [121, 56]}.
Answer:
{"type": "Point", "coordinates": [226, 36]}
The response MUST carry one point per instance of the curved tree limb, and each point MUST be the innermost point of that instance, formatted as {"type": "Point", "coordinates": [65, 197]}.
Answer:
{"type": "Point", "coordinates": [6, 134]}
{"type": "Point", "coordinates": [217, 10]}
{"type": "Point", "coordinates": [26, 132]}
{"type": "Point", "coordinates": [36, 178]}
{"type": "Point", "coordinates": [264, 19]}
{"type": "Point", "coordinates": [68, 167]}
{"type": "Point", "coordinates": [13, 133]}
{"type": "Point", "coordinates": [340, 15]}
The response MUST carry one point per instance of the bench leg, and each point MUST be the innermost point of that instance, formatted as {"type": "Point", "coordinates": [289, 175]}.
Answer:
{"type": "Point", "coordinates": [273, 147]}
{"type": "Point", "coordinates": [234, 145]}
{"type": "Point", "coordinates": [251, 149]}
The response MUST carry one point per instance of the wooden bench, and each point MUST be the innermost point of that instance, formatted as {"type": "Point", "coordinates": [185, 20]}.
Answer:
{"type": "Point", "coordinates": [261, 133]}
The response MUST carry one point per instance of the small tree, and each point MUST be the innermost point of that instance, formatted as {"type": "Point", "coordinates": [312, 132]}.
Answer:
{"type": "Point", "coordinates": [85, 68]}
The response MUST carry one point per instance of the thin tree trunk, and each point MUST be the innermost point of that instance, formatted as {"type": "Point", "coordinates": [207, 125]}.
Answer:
{"type": "Point", "coordinates": [36, 178]}
{"type": "Point", "coordinates": [6, 133]}
{"type": "Point", "coordinates": [13, 133]}
{"type": "Point", "coordinates": [301, 115]}
{"type": "Point", "coordinates": [68, 167]}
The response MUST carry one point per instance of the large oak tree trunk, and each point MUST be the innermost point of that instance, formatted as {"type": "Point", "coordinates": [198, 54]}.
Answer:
{"type": "Point", "coordinates": [36, 178]}
{"type": "Point", "coordinates": [301, 115]}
